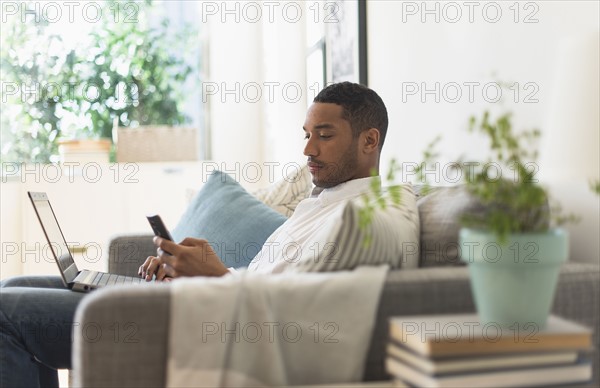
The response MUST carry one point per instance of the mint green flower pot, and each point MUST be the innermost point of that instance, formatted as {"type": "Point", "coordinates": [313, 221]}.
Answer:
{"type": "Point", "coordinates": [514, 283]}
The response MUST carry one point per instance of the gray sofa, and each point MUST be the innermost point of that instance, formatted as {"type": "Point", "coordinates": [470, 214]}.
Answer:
{"type": "Point", "coordinates": [123, 341]}
{"type": "Point", "coordinates": [133, 321]}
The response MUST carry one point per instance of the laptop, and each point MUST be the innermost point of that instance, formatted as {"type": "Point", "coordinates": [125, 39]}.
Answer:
{"type": "Point", "coordinates": [73, 278]}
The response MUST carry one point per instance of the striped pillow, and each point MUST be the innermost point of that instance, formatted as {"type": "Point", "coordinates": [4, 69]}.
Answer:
{"type": "Point", "coordinates": [284, 195]}
{"type": "Point", "coordinates": [394, 238]}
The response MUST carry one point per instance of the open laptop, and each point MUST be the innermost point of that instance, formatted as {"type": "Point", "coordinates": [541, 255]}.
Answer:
{"type": "Point", "coordinates": [74, 279]}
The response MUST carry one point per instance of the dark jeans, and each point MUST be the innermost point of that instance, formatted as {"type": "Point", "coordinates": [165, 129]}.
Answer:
{"type": "Point", "coordinates": [36, 324]}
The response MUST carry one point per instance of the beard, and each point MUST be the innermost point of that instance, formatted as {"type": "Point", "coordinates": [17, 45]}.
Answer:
{"type": "Point", "coordinates": [333, 173]}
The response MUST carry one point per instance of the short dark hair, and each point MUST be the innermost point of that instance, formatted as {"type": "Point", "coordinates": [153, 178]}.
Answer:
{"type": "Point", "coordinates": [362, 107]}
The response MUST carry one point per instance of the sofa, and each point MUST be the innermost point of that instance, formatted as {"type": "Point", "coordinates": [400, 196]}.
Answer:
{"type": "Point", "coordinates": [128, 345]}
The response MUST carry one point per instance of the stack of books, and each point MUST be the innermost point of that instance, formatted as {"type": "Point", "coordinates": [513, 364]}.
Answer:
{"type": "Point", "coordinates": [458, 351]}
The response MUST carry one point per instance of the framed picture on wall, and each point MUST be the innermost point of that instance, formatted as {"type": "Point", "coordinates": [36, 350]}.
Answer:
{"type": "Point", "coordinates": [346, 41]}
{"type": "Point", "coordinates": [316, 70]}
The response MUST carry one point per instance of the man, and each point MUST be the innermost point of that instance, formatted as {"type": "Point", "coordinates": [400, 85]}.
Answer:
{"type": "Point", "coordinates": [344, 130]}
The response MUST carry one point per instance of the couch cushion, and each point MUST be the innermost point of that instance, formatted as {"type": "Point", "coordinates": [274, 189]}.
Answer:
{"type": "Point", "coordinates": [393, 233]}
{"type": "Point", "coordinates": [440, 211]}
{"type": "Point", "coordinates": [284, 195]}
{"type": "Point", "coordinates": [234, 222]}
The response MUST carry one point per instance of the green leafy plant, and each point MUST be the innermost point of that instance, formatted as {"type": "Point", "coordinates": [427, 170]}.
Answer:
{"type": "Point", "coordinates": [514, 200]}
{"type": "Point", "coordinates": [595, 186]}
{"type": "Point", "coordinates": [514, 204]}
{"type": "Point", "coordinates": [125, 71]}
{"type": "Point", "coordinates": [378, 198]}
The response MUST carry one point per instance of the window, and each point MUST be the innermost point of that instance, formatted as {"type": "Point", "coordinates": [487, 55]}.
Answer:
{"type": "Point", "coordinates": [76, 69]}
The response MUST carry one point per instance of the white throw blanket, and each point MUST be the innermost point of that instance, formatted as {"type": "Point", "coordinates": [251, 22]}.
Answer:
{"type": "Point", "coordinates": [252, 329]}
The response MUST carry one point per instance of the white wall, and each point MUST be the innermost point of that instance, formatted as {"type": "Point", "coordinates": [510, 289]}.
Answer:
{"type": "Point", "coordinates": [285, 65]}
{"type": "Point", "coordinates": [405, 51]}
{"type": "Point", "coordinates": [414, 52]}
{"type": "Point", "coordinates": [234, 53]}
{"type": "Point", "coordinates": [256, 60]}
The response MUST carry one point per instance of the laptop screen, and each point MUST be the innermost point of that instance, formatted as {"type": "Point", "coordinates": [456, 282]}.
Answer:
{"type": "Point", "coordinates": [54, 236]}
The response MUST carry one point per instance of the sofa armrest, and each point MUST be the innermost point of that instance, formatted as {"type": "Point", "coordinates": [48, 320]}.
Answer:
{"type": "Point", "coordinates": [127, 252]}
{"type": "Point", "coordinates": [120, 337]}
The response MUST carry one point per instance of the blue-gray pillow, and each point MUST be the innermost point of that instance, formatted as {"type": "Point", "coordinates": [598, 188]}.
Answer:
{"type": "Point", "coordinates": [234, 222]}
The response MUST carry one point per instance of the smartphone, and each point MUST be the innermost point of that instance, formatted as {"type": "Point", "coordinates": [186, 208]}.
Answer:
{"type": "Point", "coordinates": [159, 228]}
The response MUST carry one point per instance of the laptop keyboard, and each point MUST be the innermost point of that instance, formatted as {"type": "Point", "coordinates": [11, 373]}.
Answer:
{"type": "Point", "coordinates": [101, 279]}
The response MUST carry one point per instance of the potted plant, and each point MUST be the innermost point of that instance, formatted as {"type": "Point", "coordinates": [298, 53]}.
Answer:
{"type": "Point", "coordinates": [513, 251]}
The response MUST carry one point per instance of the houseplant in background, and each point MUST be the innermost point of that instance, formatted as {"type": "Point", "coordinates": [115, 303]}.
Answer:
{"type": "Point", "coordinates": [70, 91]}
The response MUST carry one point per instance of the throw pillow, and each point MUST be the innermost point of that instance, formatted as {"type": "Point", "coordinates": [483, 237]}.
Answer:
{"type": "Point", "coordinates": [234, 222]}
{"type": "Point", "coordinates": [394, 238]}
{"type": "Point", "coordinates": [440, 211]}
{"type": "Point", "coordinates": [284, 195]}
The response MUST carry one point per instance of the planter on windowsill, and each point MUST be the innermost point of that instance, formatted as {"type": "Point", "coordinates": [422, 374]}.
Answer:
{"type": "Point", "coordinates": [85, 151]}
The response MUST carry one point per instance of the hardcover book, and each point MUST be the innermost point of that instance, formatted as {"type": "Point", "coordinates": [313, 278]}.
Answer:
{"type": "Point", "coordinates": [481, 362]}
{"type": "Point", "coordinates": [536, 376]}
{"type": "Point", "coordinates": [462, 335]}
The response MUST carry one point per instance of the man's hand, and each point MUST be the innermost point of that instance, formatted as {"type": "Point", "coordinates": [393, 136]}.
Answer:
{"type": "Point", "coordinates": [153, 266]}
{"type": "Point", "coordinates": [192, 257]}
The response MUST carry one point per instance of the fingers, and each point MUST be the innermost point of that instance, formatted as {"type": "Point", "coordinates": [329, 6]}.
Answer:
{"type": "Point", "coordinates": [144, 267]}
{"type": "Point", "coordinates": [151, 268]}
{"type": "Point", "coordinates": [161, 273]}
{"type": "Point", "coordinates": [154, 266]}
{"type": "Point", "coordinates": [166, 245]}
{"type": "Point", "coordinates": [178, 252]}
{"type": "Point", "coordinates": [193, 242]}
{"type": "Point", "coordinates": [192, 257]}
{"type": "Point", "coordinates": [166, 258]}
{"type": "Point", "coordinates": [165, 272]}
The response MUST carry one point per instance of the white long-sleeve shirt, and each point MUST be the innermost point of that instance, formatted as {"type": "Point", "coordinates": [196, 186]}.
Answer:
{"type": "Point", "coordinates": [304, 235]}
{"type": "Point", "coordinates": [307, 234]}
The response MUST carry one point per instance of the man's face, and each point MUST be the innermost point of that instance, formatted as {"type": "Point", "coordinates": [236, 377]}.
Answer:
{"type": "Point", "coordinates": [331, 148]}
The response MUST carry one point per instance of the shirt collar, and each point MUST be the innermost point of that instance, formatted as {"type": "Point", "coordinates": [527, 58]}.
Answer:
{"type": "Point", "coordinates": [344, 191]}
